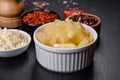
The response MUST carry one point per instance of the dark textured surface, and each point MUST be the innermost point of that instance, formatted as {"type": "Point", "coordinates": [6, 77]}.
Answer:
{"type": "Point", "coordinates": [107, 57]}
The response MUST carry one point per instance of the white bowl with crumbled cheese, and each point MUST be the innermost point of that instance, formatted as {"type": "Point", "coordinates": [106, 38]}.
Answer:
{"type": "Point", "coordinates": [13, 42]}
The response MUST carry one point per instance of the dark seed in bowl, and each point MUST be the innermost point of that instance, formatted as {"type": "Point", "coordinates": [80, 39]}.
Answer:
{"type": "Point", "coordinates": [86, 19]}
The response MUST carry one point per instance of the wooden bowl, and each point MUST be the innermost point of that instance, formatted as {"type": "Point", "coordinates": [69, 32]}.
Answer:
{"type": "Point", "coordinates": [87, 18]}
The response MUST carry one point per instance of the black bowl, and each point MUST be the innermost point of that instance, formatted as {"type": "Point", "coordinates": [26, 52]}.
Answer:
{"type": "Point", "coordinates": [30, 28]}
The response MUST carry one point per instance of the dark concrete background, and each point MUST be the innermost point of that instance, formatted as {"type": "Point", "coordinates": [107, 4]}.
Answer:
{"type": "Point", "coordinates": [106, 65]}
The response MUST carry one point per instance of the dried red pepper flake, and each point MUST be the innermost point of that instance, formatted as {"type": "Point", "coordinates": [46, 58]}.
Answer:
{"type": "Point", "coordinates": [39, 17]}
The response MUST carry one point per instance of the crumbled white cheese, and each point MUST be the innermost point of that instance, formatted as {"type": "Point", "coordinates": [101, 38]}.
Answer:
{"type": "Point", "coordinates": [11, 39]}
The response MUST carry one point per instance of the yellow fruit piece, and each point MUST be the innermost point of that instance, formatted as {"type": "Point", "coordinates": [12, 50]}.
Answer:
{"type": "Point", "coordinates": [81, 28]}
{"type": "Point", "coordinates": [62, 37]}
{"type": "Point", "coordinates": [90, 38]}
{"type": "Point", "coordinates": [83, 43]}
{"type": "Point", "coordinates": [70, 34]}
{"type": "Point", "coordinates": [79, 35]}
{"type": "Point", "coordinates": [64, 34]}
{"type": "Point", "coordinates": [42, 37]}
{"type": "Point", "coordinates": [55, 30]}
{"type": "Point", "coordinates": [64, 45]}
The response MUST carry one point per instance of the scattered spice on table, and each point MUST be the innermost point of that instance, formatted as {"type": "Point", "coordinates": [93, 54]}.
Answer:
{"type": "Point", "coordinates": [41, 5]}
{"type": "Point", "coordinates": [68, 4]}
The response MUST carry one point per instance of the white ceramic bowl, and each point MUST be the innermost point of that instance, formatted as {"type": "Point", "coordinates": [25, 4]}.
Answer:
{"type": "Point", "coordinates": [16, 51]}
{"type": "Point", "coordinates": [65, 59]}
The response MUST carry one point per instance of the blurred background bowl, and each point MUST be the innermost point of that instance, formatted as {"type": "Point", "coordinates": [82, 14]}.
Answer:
{"type": "Point", "coordinates": [16, 51]}
{"type": "Point", "coordinates": [32, 19]}
{"type": "Point", "coordinates": [65, 59]}
{"type": "Point", "coordinates": [89, 19]}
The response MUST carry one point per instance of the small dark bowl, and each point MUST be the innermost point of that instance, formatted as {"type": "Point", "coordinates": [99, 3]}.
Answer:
{"type": "Point", "coordinates": [30, 28]}
{"type": "Point", "coordinates": [87, 18]}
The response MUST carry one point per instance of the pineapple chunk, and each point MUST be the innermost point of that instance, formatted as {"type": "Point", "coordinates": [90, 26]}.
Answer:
{"type": "Point", "coordinates": [83, 43]}
{"type": "Point", "coordinates": [90, 38]}
{"type": "Point", "coordinates": [62, 37]}
{"type": "Point", "coordinates": [71, 26]}
{"type": "Point", "coordinates": [64, 45]}
{"type": "Point", "coordinates": [41, 37]}
{"type": "Point", "coordinates": [64, 34]}
{"type": "Point", "coordinates": [81, 28]}
{"type": "Point", "coordinates": [71, 34]}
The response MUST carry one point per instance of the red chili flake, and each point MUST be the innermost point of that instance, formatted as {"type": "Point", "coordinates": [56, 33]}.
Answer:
{"type": "Point", "coordinates": [40, 17]}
